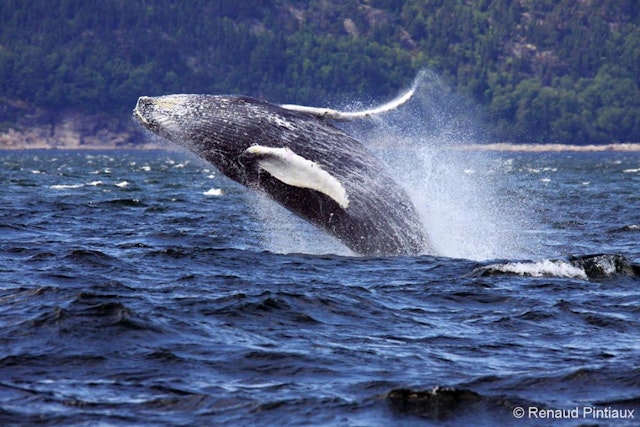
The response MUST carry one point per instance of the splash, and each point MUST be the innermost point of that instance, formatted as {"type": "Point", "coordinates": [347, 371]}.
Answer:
{"type": "Point", "coordinates": [464, 198]}
{"type": "Point", "coordinates": [587, 267]}
{"type": "Point", "coordinates": [461, 196]}
{"type": "Point", "coordinates": [544, 268]}
{"type": "Point", "coordinates": [284, 233]}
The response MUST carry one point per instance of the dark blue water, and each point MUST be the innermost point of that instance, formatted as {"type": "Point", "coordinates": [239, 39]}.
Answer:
{"type": "Point", "coordinates": [141, 288]}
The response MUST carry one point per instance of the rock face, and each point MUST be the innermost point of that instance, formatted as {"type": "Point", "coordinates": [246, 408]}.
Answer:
{"type": "Point", "coordinates": [24, 127]}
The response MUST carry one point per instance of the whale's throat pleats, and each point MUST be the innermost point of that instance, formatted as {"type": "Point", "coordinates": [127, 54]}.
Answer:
{"type": "Point", "coordinates": [293, 169]}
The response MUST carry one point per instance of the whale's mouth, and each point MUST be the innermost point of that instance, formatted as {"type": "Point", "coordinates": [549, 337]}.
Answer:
{"type": "Point", "coordinates": [170, 117]}
{"type": "Point", "coordinates": [142, 110]}
{"type": "Point", "coordinates": [156, 115]}
{"type": "Point", "coordinates": [163, 114]}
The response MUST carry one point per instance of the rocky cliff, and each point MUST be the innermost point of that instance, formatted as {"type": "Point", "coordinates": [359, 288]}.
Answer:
{"type": "Point", "coordinates": [26, 127]}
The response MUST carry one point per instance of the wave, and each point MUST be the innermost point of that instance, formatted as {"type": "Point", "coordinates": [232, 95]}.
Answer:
{"type": "Point", "coordinates": [587, 267]}
{"type": "Point", "coordinates": [448, 404]}
{"type": "Point", "coordinates": [72, 186]}
{"type": "Point", "coordinates": [554, 268]}
{"type": "Point", "coordinates": [627, 228]}
{"type": "Point", "coordinates": [214, 192]}
{"type": "Point", "coordinates": [126, 203]}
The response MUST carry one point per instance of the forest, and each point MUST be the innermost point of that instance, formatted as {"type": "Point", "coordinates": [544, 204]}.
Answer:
{"type": "Point", "coordinates": [562, 71]}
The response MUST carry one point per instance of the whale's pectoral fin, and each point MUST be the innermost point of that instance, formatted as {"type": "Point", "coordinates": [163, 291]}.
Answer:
{"type": "Point", "coordinates": [292, 169]}
{"type": "Point", "coordinates": [328, 113]}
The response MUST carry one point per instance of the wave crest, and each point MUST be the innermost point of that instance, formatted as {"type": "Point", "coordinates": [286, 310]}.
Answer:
{"type": "Point", "coordinates": [588, 267]}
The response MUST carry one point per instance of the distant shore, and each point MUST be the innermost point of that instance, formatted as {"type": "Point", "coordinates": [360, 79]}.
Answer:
{"type": "Point", "coordinates": [76, 131]}
{"type": "Point", "coordinates": [539, 148]}
{"type": "Point", "coordinates": [24, 127]}
{"type": "Point", "coordinates": [135, 143]}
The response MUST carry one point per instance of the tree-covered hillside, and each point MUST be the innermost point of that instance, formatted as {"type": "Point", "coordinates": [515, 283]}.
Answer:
{"type": "Point", "coordinates": [543, 71]}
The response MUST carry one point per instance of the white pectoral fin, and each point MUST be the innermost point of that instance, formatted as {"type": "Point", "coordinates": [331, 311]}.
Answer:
{"type": "Point", "coordinates": [292, 169]}
{"type": "Point", "coordinates": [329, 113]}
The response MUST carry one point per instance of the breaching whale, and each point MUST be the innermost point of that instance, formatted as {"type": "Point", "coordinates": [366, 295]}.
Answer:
{"type": "Point", "coordinates": [298, 158]}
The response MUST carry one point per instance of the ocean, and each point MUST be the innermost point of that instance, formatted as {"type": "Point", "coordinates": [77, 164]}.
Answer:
{"type": "Point", "coordinates": [142, 288]}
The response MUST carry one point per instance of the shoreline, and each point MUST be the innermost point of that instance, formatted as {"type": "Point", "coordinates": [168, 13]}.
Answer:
{"type": "Point", "coordinates": [494, 147]}
{"type": "Point", "coordinates": [29, 128]}
{"type": "Point", "coordinates": [106, 147]}
{"type": "Point", "coordinates": [547, 148]}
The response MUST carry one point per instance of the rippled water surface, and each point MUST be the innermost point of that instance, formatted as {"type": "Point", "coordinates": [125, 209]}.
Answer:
{"type": "Point", "coordinates": [142, 288]}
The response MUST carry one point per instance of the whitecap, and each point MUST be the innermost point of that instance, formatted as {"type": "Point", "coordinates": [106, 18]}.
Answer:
{"type": "Point", "coordinates": [121, 184]}
{"type": "Point", "coordinates": [554, 268]}
{"type": "Point", "coordinates": [213, 192]}
{"type": "Point", "coordinates": [65, 186]}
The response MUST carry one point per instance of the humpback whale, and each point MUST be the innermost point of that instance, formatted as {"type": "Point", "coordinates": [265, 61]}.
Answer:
{"type": "Point", "coordinates": [301, 160]}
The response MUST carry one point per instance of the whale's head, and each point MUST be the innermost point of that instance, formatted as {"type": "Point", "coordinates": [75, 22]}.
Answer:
{"type": "Point", "coordinates": [218, 128]}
